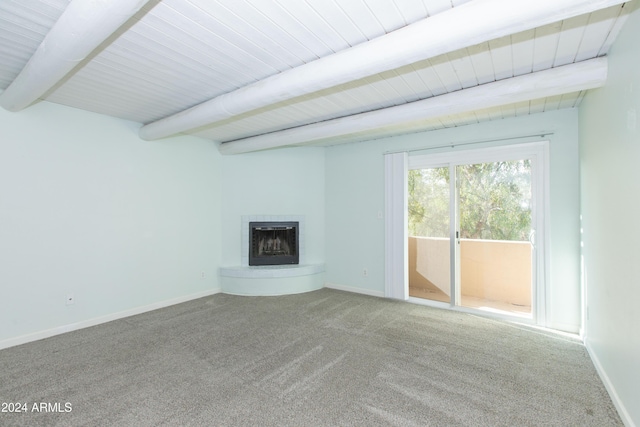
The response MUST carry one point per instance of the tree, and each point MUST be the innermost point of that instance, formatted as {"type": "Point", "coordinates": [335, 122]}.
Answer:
{"type": "Point", "coordinates": [429, 202]}
{"type": "Point", "coordinates": [494, 201]}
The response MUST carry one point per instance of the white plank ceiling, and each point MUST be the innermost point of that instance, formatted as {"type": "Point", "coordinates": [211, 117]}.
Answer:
{"type": "Point", "coordinates": [175, 54]}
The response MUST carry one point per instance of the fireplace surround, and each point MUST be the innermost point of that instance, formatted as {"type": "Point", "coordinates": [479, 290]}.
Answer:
{"type": "Point", "coordinates": [284, 279]}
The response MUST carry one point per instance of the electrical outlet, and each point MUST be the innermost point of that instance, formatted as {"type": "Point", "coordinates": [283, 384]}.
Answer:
{"type": "Point", "coordinates": [365, 272]}
{"type": "Point", "coordinates": [202, 275]}
{"type": "Point", "coordinates": [71, 299]}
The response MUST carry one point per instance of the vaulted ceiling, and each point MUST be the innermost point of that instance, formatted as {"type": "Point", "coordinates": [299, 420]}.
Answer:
{"type": "Point", "coordinates": [259, 74]}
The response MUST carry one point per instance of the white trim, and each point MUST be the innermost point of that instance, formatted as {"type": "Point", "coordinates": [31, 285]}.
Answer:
{"type": "Point", "coordinates": [622, 410]}
{"type": "Point", "coordinates": [455, 292]}
{"type": "Point", "coordinates": [396, 277]}
{"type": "Point", "coordinates": [543, 229]}
{"type": "Point", "coordinates": [23, 339]}
{"type": "Point", "coordinates": [354, 290]}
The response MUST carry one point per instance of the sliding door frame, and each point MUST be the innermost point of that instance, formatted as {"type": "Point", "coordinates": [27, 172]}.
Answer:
{"type": "Point", "coordinates": [538, 152]}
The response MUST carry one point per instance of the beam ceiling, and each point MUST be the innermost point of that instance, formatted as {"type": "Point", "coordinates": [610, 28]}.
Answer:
{"type": "Point", "coordinates": [464, 26]}
{"type": "Point", "coordinates": [259, 74]}
{"type": "Point", "coordinates": [83, 26]}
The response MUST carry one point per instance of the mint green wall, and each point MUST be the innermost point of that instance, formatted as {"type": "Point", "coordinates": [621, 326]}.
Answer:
{"type": "Point", "coordinates": [288, 181]}
{"type": "Point", "coordinates": [89, 208]}
{"type": "Point", "coordinates": [355, 196]}
{"type": "Point", "coordinates": [355, 234]}
{"type": "Point", "coordinates": [610, 168]}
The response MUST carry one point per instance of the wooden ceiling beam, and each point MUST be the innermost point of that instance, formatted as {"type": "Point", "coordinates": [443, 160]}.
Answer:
{"type": "Point", "coordinates": [570, 78]}
{"type": "Point", "coordinates": [83, 26]}
{"type": "Point", "coordinates": [462, 26]}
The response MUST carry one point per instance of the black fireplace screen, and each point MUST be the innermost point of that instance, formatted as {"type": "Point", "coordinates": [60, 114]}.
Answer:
{"type": "Point", "coordinates": [273, 243]}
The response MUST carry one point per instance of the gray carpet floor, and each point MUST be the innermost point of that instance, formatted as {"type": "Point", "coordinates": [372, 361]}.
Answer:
{"type": "Point", "coordinates": [324, 358]}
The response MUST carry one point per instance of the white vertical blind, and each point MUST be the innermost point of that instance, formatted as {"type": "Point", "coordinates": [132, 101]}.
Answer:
{"type": "Point", "coordinates": [395, 192]}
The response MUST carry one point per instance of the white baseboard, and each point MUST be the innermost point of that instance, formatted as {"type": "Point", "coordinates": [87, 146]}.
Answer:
{"type": "Point", "coordinates": [354, 290]}
{"type": "Point", "coordinates": [622, 410]}
{"type": "Point", "coordinates": [23, 339]}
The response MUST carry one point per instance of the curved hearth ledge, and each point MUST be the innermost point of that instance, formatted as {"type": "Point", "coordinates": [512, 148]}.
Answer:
{"type": "Point", "coordinates": [270, 280]}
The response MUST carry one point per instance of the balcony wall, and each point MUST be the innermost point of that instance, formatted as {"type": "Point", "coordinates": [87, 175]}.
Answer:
{"type": "Point", "coordinates": [489, 269]}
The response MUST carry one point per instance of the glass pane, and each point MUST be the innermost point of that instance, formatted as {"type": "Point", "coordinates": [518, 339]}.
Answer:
{"type": "Point", "coordinates": [429, 242]}
{"type": "Point", "coordinates": [495, 203]}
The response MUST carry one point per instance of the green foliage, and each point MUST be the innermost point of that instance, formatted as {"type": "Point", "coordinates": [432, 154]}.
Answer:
{"type": "Point", "coordinates": [429, 202]}
{"type": "Point", "coordinates": [494, 201]}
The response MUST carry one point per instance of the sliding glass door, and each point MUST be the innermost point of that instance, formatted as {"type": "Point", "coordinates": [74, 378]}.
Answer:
{"type": "Point", "coordinates": [472, 223]}
{"type": "Point", "coordinates": [495, 222]}
{"type": "Point", "coordinates": [429, 233]}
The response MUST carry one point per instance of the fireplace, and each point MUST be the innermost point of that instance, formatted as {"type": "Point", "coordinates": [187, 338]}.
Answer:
{"type": "Point", "coordinates": [273, 243]}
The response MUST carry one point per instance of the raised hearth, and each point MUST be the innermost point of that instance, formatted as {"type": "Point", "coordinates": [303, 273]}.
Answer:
{"type": "Point", "coordinates": [283, 279]}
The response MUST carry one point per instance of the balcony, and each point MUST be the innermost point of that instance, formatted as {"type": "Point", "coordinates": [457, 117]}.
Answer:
{"type": "Point", "coordinates": [495, 275]}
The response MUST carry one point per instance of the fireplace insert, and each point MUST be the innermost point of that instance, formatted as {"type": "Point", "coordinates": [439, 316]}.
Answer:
{"type": "Point", "coordinates": [273, 243]}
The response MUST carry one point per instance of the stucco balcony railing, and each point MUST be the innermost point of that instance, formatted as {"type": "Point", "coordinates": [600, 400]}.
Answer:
{"type": "Point", "coordinates": [493, 273]}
